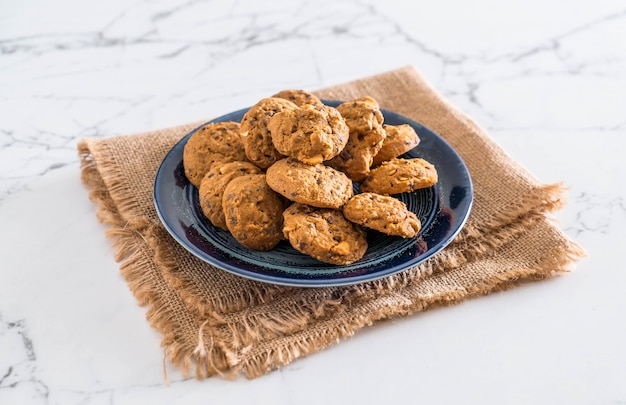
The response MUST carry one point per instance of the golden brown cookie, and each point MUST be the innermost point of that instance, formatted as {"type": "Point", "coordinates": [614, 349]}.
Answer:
{"type": "Point", "coordinates": [364, 120]}
{"type": "Point", "coordinates": [324, 234]}
{"type": "Point", "coordinates": [311, 134]}
{"type": "Point", "coordinates": [213, 185]}
{"type": "Point", "coordinates": [399, 139]}
{"type": "Point", "coordinates": [215, 142]}
{"type": "Point", "coordinates": [253, 212]}
{"type": "Point", "coordinates": [299, 97]}
{"type": "Point", "coordinates": [400, 176]}
{"type": "Point", "coordinates": [317, 185]}
{"type": "Point", "coordinates": [255, 135]}
{"type": "Point", "coordinates": [382, 213]}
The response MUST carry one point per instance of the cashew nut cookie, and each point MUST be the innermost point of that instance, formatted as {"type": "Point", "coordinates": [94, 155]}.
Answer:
{"type": "Point", "coordinates": [214, 142]}
{"type": "Point", "coordinates": [324, 234]}
{"type": "Point", "coordinates": [365, 122]}
{"type": "Point", "coordinates": [253, 212]}
{"type": "Point", "coordinates": [400, 176]}
{"type": "Point", "coordinates": [400, 139]}
{"type": "Point", "coordinates": [299, 97]}
{"type": "Point", "coordinates": [213, 185]}
{"type": "Point", "coordinates": [311, 133]}
{"type": "Point", "coordinates": [255, 135]}
{"type": "Point", "coordinates": [382, 213]}
{"type": "Point", "coordinates": [316, 185]}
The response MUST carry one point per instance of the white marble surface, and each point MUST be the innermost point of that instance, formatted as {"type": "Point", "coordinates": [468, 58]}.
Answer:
{"type": "Point", "coordinates": [547, 79]}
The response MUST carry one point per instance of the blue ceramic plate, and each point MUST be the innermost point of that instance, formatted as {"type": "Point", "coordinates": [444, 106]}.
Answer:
{"type": "Point", "coordinates": [442, 209]}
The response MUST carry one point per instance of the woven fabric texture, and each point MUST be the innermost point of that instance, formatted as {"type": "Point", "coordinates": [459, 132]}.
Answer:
{"type": "Point", "coordinates": [216, 323]}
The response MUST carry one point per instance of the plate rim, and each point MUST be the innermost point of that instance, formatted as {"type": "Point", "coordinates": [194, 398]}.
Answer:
{"type": "Point", "coordinates": [315, 282]}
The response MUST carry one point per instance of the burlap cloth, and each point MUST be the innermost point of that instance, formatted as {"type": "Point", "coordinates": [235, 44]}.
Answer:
{"type": "Point", "coordinates": [214, 322]}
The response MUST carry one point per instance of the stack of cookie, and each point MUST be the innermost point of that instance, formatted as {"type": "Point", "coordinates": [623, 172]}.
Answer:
{"type": "Point", "coordinates": [288, 170]}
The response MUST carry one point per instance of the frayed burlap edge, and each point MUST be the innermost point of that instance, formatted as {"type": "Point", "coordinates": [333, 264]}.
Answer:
{"type": "Point", "coordinates": [253, 348]}
{"type": "Point", "coordinates": [135, 252]}
{"type": "Point", "coordinates": [470, 244]}
{"type": "Point", "coordinates": [193, 339]}
{"type": "Point", "coordinates": [311, 304]}
{"type": "Point", "coordinates": [274, 353]}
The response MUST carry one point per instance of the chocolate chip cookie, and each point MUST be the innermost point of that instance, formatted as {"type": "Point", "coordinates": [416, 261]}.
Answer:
{"type": "Point", "coordinates": [213, 185]}
{"type": "Point", "coordinates": [382, 213]}
{"type": "Point", "coordinates": [299, 97]}
{"type": "Point", "coordinates": [399, 139]}
{"type": "Point", "coordinates": [364, 120]}
{"type": "Point", "coordinates": [324, 234]}
{"type": "Point", "coordinates": [253, 212]}
{"type": "Point", "coordinates": [400, 176]}
{"type": "Point", "coordinates": [311, 133]}
{"type": "Point", "coordinates": [317, 185]}
{"type": "Point", "coordinates": [255, 135]}
{"type": "Point", "coordinates": [215, 142]}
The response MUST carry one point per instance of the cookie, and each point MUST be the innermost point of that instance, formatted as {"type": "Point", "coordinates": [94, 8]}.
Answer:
{"type": "Point", "coordinates": [399, 139]}
{"type": "Point", "coordinates": [253, 212]}
{"type": "Point", "coordinates": [364, 121]}
{"type": "Point", "coordinates": [213, 185]}
{"type": "Point", "coordinates": [317, 185]}
{"type": "Point", "coordinates": [215, 142]}
{"type": "Point", "coordinates": [299, 97]}
{"type": "Point", "coordinates": [256, 137]}
{"type": "Point", "coordinates": [382, 213]}
{"type": "Point", "coordinates": [311, 134]}
{"type": "Point", "coordinates": [324, 234]}
{"type": "Point", "coordinates": [400, 176]}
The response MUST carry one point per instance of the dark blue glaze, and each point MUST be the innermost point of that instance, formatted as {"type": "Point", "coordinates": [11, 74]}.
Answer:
{"type": "Point", "coordinates": [443, 210]}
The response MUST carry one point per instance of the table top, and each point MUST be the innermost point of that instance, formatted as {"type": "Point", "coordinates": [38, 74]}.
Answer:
{"type": "Point", "coordinates": [547, 83]}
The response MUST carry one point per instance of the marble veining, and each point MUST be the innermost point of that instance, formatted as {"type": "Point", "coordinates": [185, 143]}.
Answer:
{"type": "Point", "coordinates": [547, 81]}
{"type": "Point", "coordinates": [597, 214]}
{"type": "Point", "coordinates": [18, 367]}
{"type": "Point", "coordinates": [147, 34]}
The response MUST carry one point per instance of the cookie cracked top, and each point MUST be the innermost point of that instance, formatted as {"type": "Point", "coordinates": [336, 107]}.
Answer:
{"type": "Point", "coordinates": [311, 133]}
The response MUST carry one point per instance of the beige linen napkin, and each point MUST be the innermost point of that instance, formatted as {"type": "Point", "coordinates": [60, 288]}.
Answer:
{"type": "Point", "coordinates": [214, 322]}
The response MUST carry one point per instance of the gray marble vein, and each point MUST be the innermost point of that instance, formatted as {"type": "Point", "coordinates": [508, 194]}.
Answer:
{"type": "Point", "coordinates": [548, 84]}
